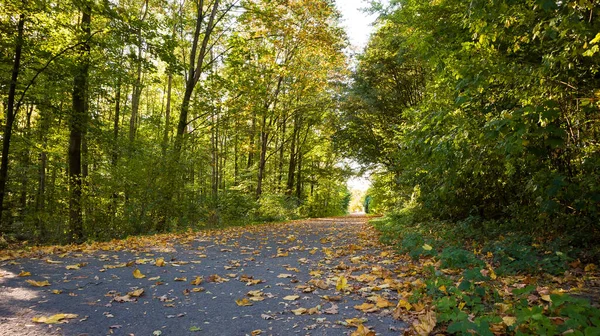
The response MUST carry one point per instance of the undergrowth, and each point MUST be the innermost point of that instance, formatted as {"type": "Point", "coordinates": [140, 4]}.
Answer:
{"type": "Point", "coordinates": [490, 278]}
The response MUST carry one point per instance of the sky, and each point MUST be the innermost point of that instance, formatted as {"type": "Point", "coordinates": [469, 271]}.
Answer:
{"type": "Point", "coordinates": [358, 27]}
{"type": "Point", "coordinates": [357, 24]}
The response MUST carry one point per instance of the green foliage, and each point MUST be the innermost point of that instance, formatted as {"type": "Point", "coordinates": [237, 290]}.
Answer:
{"type": "Point", "coordinates": [455, 257]}
{"type": "Point", "coordinates": [518, 255]}
{"type": "Point", "coordinates": [255, 144]}
{"type": "Point", "coordinates": [493, 118]}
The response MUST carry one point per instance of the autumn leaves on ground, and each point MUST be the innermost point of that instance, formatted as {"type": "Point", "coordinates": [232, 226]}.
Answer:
{"type": "Point", "coordinates": [312, 277]}
{"type": "Point", "coordinates": [325, 276]}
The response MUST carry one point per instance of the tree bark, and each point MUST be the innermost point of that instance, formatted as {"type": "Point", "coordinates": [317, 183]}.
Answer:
{"type": "Point", "coordinates": [137, 87]}
{"type": "Point", "coordinates": [10, 116]}
{"type": "Point", "coordinates": [167, 130]}
{"type": "Point", "coordinates": [292, 165]}
{"type": "Point", "coordinates": [77, 128]}
{"type": "Point", "coordinates": [195, 68]}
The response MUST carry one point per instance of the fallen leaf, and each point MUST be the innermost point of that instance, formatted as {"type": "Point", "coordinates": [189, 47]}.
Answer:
{"type": "Point", "coordinates": [24, 274]}
{"type": "Point", "coordinates": [53, 262]}
{"type": "Point", "coordinates": [427, 247]}
{"type": "Point", "coordinates": [299, 311]}
{"type": "Point", "coordinates": [331, 310]}
{"type": "Point", "coordinates": [291, 297]}
{"type": "Point", "coordinates": [137, 274]}
{"type": "Point", "coordinates": [318, 283]}
{"type": "Point", "coordinates": [197, 281]}
{"type": "Point", "coordinates": [362, 331]}
{"type": "Point", "coordinates": [425, 324]}
{"type": "Point", "coordinates": [243, 302]}
{"type": "Point", "coordinates": [332, 298]}
{"type": "Point", "coordinates": [124, 298]}
{"type": "Point", "coordinates": [136, 293]}
{"type": "Point", "coordinates": [160, 262]}
{"type": "Point", "coordinates": [54, 318]}
{"type": "Point", "coordinates": [38, 283]}
{"type": "Point", "coordinates": [342, 284]}
{"type": "Point", "coordinates": [509, 320]}
{"type": "Point", "coordinates": [366, 307]}
{"type": "Point", "coordinates": [355, 322]}
{"type": "Point", "coordinates": [383, 303]}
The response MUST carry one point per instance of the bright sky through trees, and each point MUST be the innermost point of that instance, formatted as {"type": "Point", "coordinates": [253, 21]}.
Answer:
{"type": "Point", "coordinates": [356, 22]}
{"type": "Point", "coordinates": [358, 26]}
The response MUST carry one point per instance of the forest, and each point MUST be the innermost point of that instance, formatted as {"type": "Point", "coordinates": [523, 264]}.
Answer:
{"type": "Point", "coordinates": [146, 141]}
{"type": "Point", "coordinates": [133, 117]}
{"type": "Point", "coordinates": [482, 117]}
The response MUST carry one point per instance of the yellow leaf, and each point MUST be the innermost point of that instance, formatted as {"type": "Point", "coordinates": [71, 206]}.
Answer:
{"type": "Point", "coordinates": [355, 322]}
{"type": "Point", "coordinates": [38, 283]}
{"type": "Point", "coordinates": [425, 324]}
{"type": "Point", "coordinates": [53, 261]}
{"type": "Point", "coordinates": [136, 293]}
{"type": "Point", "coordinates": [546, 298]}
{"type": "Point", "coordinates": [365, 307]}
{"type": "Point", "coordinates": [596, 39]}
{"type": "Point", "coordinates": [197, 281]}
{"type": "Point", "coordinates": [342, 284]}
{"type": "Point", "coordinates": [427, 247]}
{"type": "Point", "coordinates": [291, 297]}
{"type": "Point", "coordinates": [181, 279]}
{"type": "Point", "coordinates": [137, 274]}
{"type": "Point", "coordinates": [54, 318]}
{"type": "Point", "coordinates": [383, 303]}
{"type": "Point", "coordinates": [24, 274]}
{"type": "Point", "coordinates": [72, 267]}
{"type": "Point", "coordinates": [590, 268]}
{"type": "Point", "coordinates": [442, 288]}
{"type": "Point", "coordinates": [243, 302]}
{"type": "Point", "coordinates": [461, 305]}
{"type": "Point", "coordinates": [160, 262]}
{"type": "Point", "coordinates": [299, 311]}
{"type": "Point", "coordinates": [404, 304]}
{"type": "Point", "coordinates": [56, 291]}
{"type": "Point", "coordinates": [362, 331]}
{"type": "Point", "coordinates": [509, 320]}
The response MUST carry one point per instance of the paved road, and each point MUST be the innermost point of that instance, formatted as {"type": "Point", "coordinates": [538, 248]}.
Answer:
{"type": "Point", "coordinates": [287, 266]}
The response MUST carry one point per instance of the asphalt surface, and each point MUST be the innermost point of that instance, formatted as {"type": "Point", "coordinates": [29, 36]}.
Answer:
{"type": "Point", "coordinates": [285, 257]}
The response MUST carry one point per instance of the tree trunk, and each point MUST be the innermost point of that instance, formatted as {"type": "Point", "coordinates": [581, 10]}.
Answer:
{"type": "Point", "coordinates": [115, 152]}
{"type": "Point", "coordinates": [252, 142]}
{"type": "Point", "coordinates": [264, 138]}
{"type": "Point", "coordinates": [25, 160]}
{"type": "Point", "coordinates": [77, 129]}
{"type": "Point", "coordinates": [137, 86]}
{"type": "Point", "coordinates": [195, 68]}
{"type": "Point", "coordinates": [292, 165]}
{"type": "Point", "coordinates": [281, 153]}
{"type": "Point", "coordinates": [299, 182]}
{"type": "Point", "coordinates": [10, 116]}
{"type": "Point", "coordinates": [165, 141]}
